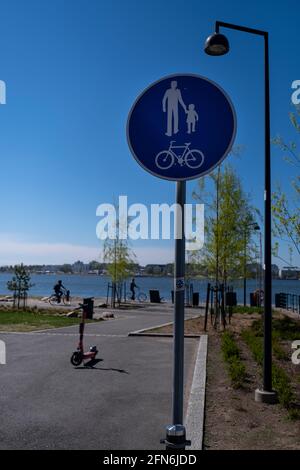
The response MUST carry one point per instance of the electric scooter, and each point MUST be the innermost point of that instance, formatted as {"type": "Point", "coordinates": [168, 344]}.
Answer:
{"type": "Point", "coordinates": [79, 355]}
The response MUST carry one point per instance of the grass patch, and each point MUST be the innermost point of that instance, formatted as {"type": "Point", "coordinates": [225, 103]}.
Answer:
{"type": "Point", "coordinates": [285, 328]}
{"type": "Point", "coordinates": [280, 379]}
{"type": "Point", "coordinates": [249, 310]}
{"type": "Point", "coordinates": [231, 355]}
{"type": "Point", "coordinates": [33, 319]}
{"type": "Point", "coordinates": [282, 384]}
{"type": "Point", "coordinates": [278, 350]}
{"type": "Point", "coordinates": [255, 345]}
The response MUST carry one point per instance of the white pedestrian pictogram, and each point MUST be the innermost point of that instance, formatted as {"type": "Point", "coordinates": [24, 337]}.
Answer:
{"type": "Point", "coordinates": [171, 99]}
{"type": "Point", "coordinates": [170, 105]}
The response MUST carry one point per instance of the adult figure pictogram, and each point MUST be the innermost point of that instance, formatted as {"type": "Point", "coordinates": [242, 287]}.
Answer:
{"type": "Point", "coordinates": [170, 105]}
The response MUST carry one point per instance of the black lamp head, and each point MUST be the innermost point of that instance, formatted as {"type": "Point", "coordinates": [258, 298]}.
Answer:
{"type": "Point", "coordinates": [216, 44]}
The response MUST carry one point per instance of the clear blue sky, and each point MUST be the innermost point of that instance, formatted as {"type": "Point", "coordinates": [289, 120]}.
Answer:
{"type": "Point", "coordinates": [72, 70]}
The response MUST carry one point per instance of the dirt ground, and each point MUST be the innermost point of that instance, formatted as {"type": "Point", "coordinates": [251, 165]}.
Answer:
{"type": "Point", "coordinates": [233, 420]}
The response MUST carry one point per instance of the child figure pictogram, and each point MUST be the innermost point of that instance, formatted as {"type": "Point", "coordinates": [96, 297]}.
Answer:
{"type": "Point", "coordinates": [192, 118]}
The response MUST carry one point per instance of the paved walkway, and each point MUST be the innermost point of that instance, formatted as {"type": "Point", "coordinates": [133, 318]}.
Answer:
{"type": "Point", "coordinates": [124, 402]}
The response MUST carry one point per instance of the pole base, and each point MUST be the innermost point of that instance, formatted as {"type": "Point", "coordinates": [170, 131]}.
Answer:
{"type": "Point", "coordinates": [262, 396]}
{"type": "Point", "coordinates": [175, 437]}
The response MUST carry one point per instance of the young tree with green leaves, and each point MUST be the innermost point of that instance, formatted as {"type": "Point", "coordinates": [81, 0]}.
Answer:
{"type": "Point", "coordinates": [286, 210]}
{"type": "Point", "coordinates": [120, 259]}
{"type": "Point", "coordinates": [20, 285]}
{"type": "Point", "coordinates": [229, 222]}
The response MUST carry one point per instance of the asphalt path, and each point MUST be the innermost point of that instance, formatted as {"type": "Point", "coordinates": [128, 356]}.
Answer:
{"type": "Point", "coordinates": [122, 402]}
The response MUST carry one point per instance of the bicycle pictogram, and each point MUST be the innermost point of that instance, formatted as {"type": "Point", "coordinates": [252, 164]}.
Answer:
{"type": "Point", "coordinates": [192, 158]}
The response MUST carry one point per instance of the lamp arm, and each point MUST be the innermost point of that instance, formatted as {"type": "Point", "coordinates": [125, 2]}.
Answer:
{"type": "Point", "coordinates": [239, 28]}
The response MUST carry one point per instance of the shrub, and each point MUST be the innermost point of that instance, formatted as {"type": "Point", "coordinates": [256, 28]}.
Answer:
{"type": "Point", "coordinates": [282, 385]}
{"type": "Point", "coordinates": [249, 310]}
{"type": "Point", "coordinates": [231, 355]}
{"type": "Point", "coordinates": [237, 372]}
{"type": "Point", "coordinates": [255, 345]}
{"type": "Point", "coordinates": [280, 380]}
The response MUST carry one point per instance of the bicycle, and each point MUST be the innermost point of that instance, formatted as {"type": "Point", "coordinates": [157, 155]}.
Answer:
{"type": "Point", "coordinates": [192, 158]}
{"type": "Point", "coordinates": [64, 298]}
{"type": "Point", "coordinates": [141, 296]}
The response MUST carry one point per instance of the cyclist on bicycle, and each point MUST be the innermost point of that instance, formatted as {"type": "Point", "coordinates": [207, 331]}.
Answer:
{"type": "Point", "coordinates": [132, 287]}
{"type": "Point", "coordinates": [59, 290]}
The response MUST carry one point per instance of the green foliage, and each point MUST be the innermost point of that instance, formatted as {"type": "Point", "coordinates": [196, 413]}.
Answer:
{"type": "Point", "coordinates": [286, 328]}
{"type": "Point", "coordinates": [280, 380]}
{"type": "Point", "coordinates": [119, 256]}
{"type": "Point", "coordinates": [228, 220]}
{"type": "Point", "coordinates": [66, 269]}
{"type": "Point", "coordinates": [282, 385]}
{"type": "Point", "coordinates": [94, 265]}
{"type": "Point", "coordinates": [278, 350]}
{"type": "Point", "coordinates": [33, 319]}
{"type": "Point", "coordinates": [286, 211]}
{"type": "Point", "coordinates": [231, 356]}
{"type": "Point", "coordinates": [20, 284]}
{"type": "Point", "coordinates": [237, 372]}
{"type": "Point", "coordinates": [229, 347]}
{"type": "Point", "coordinates": [255, 345]}
{"type": "Point", "coordinates": [249, 310]}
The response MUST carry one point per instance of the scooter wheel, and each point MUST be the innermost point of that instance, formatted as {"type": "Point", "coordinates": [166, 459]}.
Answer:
{"type": "Point", "coordinates": [76, 358]}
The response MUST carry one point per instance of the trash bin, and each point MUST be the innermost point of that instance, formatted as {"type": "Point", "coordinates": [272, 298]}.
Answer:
{"type": "Point", "coordinates": [195, 299]}
{"type": "Point", "coordinates": [281, 300]}
{"type": "Point", "coordinates": [253, 299]}
{"type": "Point", "coordinates": [278, 300]}
{"type": "Point", "coordinates": [231, 299]}
{"type": "Point", "coordinates": [89, 309]}
{"type": "Point", "coordinates": [154, 296]}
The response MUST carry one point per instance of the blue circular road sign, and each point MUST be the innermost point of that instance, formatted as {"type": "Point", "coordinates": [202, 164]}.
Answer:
{"type": "Point", "coordinates": [181, 127]}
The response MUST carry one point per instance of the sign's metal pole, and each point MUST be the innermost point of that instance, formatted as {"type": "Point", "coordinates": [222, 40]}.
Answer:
{"type": "Point", "coordinates": [153, 114]}
{"type": "Point", "coordinates": [179, 271]}
{"type": "Point", "coordinates": [175, 433]}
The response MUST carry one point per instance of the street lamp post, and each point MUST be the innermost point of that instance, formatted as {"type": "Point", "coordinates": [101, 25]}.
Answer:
{"type": "Point", "coordinates": [260, 268]}
{"type": "Point", "coordinates": [245, 267]}
{"type": "Point", "coordinates": [217, 44]}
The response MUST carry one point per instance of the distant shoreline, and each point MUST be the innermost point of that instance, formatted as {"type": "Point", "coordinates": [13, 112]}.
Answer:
{"type": "Point", "coordinates": [86, 274]}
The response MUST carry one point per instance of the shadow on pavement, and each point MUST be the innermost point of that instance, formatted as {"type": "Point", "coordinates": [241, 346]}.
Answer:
{"type": "Point", "coordinates": [91, 365]}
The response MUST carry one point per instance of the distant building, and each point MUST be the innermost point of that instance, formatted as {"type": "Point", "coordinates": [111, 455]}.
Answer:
{"type": "Point", "coordinates": [253, 270]}
{"type": "Point", "coordinates": [275, 271]}
{"type": "Point", "coordinates": [290, 272]}
{"type": "Point", "coordinates": [154, 269]}
{"type": "Point", "coordinates": [79, 267]}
